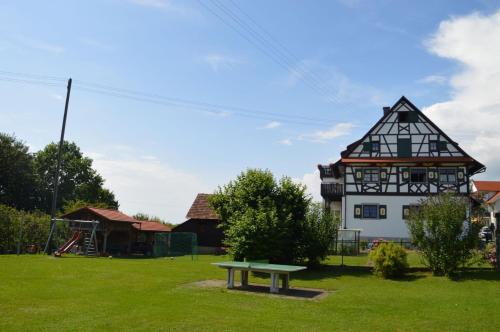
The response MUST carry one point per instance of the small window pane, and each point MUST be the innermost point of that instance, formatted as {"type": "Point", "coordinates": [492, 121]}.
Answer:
{"type": "Point", "coordinates": [418, 175]}
{"type": "Point", "coordinates": [433, 146]}
{"type": "Point", "coordinates": [370, 175]}
{"type": "Point", "coordinates": [370, 211]}
{"type": "Point", "coordinates": [375, 146]}
{"type": "Point", "coordinates": [447, 175]}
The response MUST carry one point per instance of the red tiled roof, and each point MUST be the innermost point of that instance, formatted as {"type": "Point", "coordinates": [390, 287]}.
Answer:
{"type": "Point", "coordinates": [201, 209]}
{"type": "Point", "coordinates": [409, 160]}
{"type": "Point", "coordinates": [487, 185]}
{"type": "Point", "coordinates": [151, 226]}
{"type": "Point", "coordinates": [108, 214]}
{"type": "Point", "coordinates": [493, 199]}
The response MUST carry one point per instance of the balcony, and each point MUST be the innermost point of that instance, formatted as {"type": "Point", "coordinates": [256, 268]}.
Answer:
{"type": "Point", "coordinates": [325, 171]}
{"type": "Point", "coordinates": [332, 191]}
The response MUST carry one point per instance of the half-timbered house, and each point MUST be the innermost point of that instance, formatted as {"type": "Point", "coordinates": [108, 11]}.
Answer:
{"type": "Point", "coordinates": [403, 158]}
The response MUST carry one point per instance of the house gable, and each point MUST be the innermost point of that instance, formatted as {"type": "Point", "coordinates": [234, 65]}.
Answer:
{"type": "Point", "coordinates": [404, 131]}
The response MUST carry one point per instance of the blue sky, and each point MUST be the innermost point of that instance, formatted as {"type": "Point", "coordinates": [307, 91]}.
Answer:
{"type": "Point", "coordinates": [345, 60]}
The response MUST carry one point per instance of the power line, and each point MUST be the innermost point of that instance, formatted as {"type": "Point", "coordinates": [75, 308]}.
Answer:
{"type": "Point", "coordinates": [95, 86]}
{"type": "Point", "coordinates": [159, 99]}
{"type": "Point", "coordinates": [268, 47]}
{"type": "Point", "coordinates": [269, 42]}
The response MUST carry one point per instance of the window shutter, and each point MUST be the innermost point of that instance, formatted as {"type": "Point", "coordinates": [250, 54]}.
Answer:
{"type": "Point", "coordinates": [412, 117]}
{"type": "Point", "coordinates": [406, 211]}
{"type": "Point", "coordinates": [358, 174]}
{"type": "Point", "coordinates": [367, 146]}
{"type": "Point", "coordinates": [357, 211]}
{"type": "Point", "coordinates": [383, 174]}
{"type": "Point", "coordinates": [432, 175]}
{"type": "Point", "coordinates": [406, 173]}
{"type": "Point", "coordinates": [382, 211]}
{"type": "Point", "coordinates": [443, 146]}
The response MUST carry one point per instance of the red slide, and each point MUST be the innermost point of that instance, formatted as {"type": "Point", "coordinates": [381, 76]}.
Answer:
{"type": "Point", "coordinates": [69, 244]}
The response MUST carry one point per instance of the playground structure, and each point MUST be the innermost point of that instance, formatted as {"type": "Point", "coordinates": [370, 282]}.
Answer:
{"type": "Point", "coordinates": [82, 229]}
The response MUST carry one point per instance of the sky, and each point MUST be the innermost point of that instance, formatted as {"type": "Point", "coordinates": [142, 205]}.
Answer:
{"type": "Point", "coordinates": [171, 98]}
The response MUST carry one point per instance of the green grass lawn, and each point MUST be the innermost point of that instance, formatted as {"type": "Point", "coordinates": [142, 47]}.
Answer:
{"type": "Point", "coordinates": [75, 293]}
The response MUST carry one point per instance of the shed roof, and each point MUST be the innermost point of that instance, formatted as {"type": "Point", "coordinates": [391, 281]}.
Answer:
{"type": "Point", "coordinates": [107, 214]}
{"type": "Point", "coordinates": [151, 226]}
{"type": "Point", "coordinates": [200, 209]}
{"type": "Point", "coordinates": [487, 185]}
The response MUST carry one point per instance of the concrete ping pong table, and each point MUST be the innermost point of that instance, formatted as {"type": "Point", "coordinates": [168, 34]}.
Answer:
{"type": "Point", "coordinates": [274, 269]}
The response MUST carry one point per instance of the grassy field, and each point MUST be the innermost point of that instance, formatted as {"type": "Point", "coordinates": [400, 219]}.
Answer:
{"type": "Point", "coordinates": [86, 294]}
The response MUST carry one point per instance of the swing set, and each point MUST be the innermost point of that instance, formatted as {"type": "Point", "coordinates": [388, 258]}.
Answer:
{"type": "Point", "coordinates": [82, 229]}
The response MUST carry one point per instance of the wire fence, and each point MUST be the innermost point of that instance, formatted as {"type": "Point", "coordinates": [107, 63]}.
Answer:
{"type": "Point", "coordinates": [175, 244]}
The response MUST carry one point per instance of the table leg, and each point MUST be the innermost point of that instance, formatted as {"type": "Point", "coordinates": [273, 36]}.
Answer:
{"type": "Point", "coordinates": [275, 283]}
{"type": "Point", "coordinates": [244, 278]}
{"type": "Point", "coordinates": [230, 278]}
{"type": "Point", "coordinates": [286, 281]}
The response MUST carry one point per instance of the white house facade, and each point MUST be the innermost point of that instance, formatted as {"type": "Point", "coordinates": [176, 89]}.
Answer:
{"type": "Point", "coordinates": [488, 192]}
{"type": "Point", "coordinates": [402, 159]}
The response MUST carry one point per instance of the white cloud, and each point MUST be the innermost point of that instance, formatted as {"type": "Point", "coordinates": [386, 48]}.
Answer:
{"type": "Point", "coordinates": [286, 141]}
{"type": "Point", "coordinates": [434, 79]}
{"type": "Point", "coordinates": [220, 61]}
{"type": "Point", "coordinates": [148, 185]}
{"type": "Point", "coordinates": [271, 125]}
{"type": "Point", "coordinates": [471, 116]}
{"type": "Point", "coordinates": [313, 183]}
{"type": "Point", "coordinates": [322, 136]}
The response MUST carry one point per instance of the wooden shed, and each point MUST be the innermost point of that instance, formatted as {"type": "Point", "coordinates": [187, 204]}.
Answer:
{"type": "Point", "coordinates": [119, 233]}
{"type": "Point", "coordinates": [203, 221]}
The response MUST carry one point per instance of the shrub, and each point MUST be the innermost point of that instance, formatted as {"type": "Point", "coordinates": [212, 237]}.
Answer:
{"type": "Point", "coordinates": [490, 254]}
{"type": "Point", "coordinates": [389, 260]}
{"type": "Point", "coordinates": [274, 220]}
{"type": "Point", "coordinates": [318, 231]}
{"type": "Point", "coordinates": [442, 234]}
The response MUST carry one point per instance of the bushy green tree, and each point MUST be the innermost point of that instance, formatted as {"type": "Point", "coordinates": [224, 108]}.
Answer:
{"type": "Point", "coordinates": [389, 260]}
{"type": "Point", "coordinates": [258, 213]}
{"type": "Point", "coordinates": [78, 180]}
{"type": "Point", "coordinates": [18, 185]}
{"type": "Point", "coordinates": [441, 233]}
{"type": "Point", "coordinates": [267, 219]}
{"type": "Point", "coordinates": [319, 229]}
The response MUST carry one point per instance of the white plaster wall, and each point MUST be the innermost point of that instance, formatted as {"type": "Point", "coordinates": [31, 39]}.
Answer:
{"type": "Point", "coordinates": [393, 226]}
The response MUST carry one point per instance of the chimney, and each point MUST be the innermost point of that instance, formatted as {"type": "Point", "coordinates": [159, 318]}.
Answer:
{"type": "Point", "coordinates": [387, 109]}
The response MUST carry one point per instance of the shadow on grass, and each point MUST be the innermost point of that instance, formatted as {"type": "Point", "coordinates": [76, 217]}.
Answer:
{"type": "Point", "coordinates": [335, 271]}
{"type": "Point", "coordinates": [478, 273]}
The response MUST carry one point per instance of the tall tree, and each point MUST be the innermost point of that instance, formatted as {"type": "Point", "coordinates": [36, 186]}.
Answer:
{"type": "Point", "coordinates": [17, 179]}
{"type": "Point", "coordinates": [262, 218]}
{"type": "Point", "coordinates": [78, 180]}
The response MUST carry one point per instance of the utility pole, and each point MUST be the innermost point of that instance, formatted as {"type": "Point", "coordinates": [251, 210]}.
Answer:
{"type": "Point", "coordinates": [48, 245]}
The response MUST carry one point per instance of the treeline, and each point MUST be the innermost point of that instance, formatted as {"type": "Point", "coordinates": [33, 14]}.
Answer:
{"type": "Point", "coordinates": [26, 187]}
{"type": "Point", "coordinates": [18, 228]}
{"type": "Point", "coordinates": [27, 179]}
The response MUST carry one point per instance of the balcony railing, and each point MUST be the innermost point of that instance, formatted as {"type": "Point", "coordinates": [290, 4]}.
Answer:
{"type": "Point", "coordinates": [333, 191]}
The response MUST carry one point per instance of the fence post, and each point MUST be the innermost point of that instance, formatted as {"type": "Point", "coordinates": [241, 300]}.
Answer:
{"type": "Point", "coordinates": [20, 236]}
{"type": "Point", "coordinates": [342, 250]}
{"type": "Point", "coordinates": [497, 238]}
